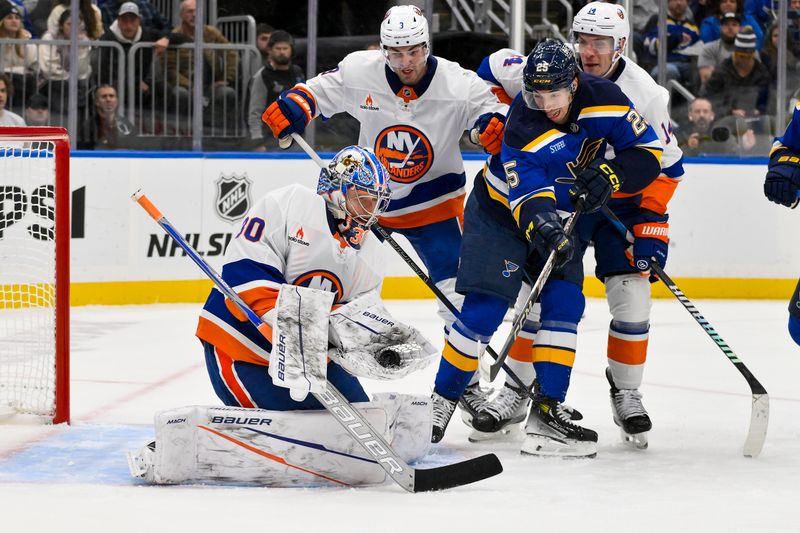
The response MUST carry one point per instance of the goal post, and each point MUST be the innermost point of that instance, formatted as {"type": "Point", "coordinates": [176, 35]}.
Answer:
{"type": "Point", "coordinates": [34, 272]}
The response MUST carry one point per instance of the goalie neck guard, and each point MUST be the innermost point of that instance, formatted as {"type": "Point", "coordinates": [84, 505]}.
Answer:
{"type": "Point", "coordinates": [355, 187]}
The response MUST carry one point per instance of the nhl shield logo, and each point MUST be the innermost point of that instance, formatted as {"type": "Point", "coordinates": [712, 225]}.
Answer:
{"type": "Point", "coordinates": [233, 196]}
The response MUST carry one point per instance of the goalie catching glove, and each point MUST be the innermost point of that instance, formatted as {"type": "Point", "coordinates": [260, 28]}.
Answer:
{"type": "Point", "coordinates": [368, 342]}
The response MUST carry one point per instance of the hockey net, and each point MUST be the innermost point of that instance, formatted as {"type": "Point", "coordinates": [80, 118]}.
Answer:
{"type": "Point", "coordinates": [34, 273]}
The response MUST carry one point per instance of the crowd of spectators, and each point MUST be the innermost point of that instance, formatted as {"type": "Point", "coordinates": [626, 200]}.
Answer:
{"type": "Point", "coordinates": [723, 53]}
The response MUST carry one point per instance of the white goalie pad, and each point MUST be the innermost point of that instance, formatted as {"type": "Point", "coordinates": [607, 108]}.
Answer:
{"type": "Point", "coordinates": [370, 343]}
{"type": "Point", "coordinates": [232, 445]}
{"type": "Point", "coordinates": [300, 340]}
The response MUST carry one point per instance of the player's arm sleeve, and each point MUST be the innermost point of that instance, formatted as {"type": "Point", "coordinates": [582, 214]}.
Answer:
{"type": "Point", "coordinates": [790, 140]}
{"type": "Point", "coordinates": [329, 88]}
{"type": "Point", "coordinates": [529, 189]}
{"type": "Point", "coordinates": [480, 99]}
{"type": "Point", "coordinates": [256, 259]}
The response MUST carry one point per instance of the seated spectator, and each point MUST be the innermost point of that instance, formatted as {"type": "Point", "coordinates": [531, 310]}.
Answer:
{"type": "Point", "coordinates": [769, 56]}
{"type": "Point", "coordinates": [220, 71]}
{"type": "Point", "coordinates": [149, 15]}
{"type": "Point", "coordinates": [37, 112]}
{"type": "Point", "coordinates": [17, 59]}
{"type": "Point", "coordinates": [715, 52]}
{"type": "Point", "coordinates": [22, 9]}
{"type": "Point", "coordinates": [699, 136]}
{"type": "Point", "coordinates": [263, 32]}
{"type": "Point", "coordinates": [763, 11]}
{"type": "Point", "coordinates": [106, 128]}
{"type": "Point", "coordinates": [269, 82]}
{"type": "Point", "coordinates": [91, 18]}
{"type": "Point", "coordinates": [740, 86]}
{"type": "Point", "coordinates": [710, 27]}
{"type": "Point", "coordinates": [7, 118]}
{"type": "Point", "coordinates": [681, 34]}
{"type": "Point", "coordinates": [128, 30]}
{"type": "Point", "coordinates": [53, 65]}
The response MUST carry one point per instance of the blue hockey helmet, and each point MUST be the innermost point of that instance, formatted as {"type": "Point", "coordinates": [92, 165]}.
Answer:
{"type": "Point", "coordinates": [551, 68]}
{"type": "Point", "coordinates": [355, 186]}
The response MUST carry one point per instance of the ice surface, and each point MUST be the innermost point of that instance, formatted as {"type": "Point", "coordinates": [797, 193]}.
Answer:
{"type": "Point", "coordinates": [128, 362]}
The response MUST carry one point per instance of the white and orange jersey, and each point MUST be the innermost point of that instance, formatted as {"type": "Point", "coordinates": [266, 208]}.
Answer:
{"type": "Point", "coordinates": [287, 237]}
{"type": "Point", "coordinates": [415, 131]}
{"type": "Point", "coordinates": [504, 68]}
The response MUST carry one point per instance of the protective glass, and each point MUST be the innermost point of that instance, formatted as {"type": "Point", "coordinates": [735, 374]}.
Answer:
{"type": "Point", "coordinates": [404, 58]}
{"type": "Point", "coordinates": [547, 100]}
{"type": "Point", "coordinates": [602, 45]}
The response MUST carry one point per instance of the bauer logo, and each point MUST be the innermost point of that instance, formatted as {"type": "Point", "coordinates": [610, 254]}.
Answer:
{"type": "Point", "coordinates": [405, 152]}
{"type": "Point", "coordinates": [241, 420]}
{"type": "Point", "coordinates": [233, 196]}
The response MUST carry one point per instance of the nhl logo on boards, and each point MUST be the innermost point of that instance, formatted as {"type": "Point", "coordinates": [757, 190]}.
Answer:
{"type": "Point", "coordinates": [233, 196]}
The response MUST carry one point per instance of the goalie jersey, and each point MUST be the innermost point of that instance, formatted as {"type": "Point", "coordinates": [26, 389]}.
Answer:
{"type": "Point", "coordinates": [503, 71]}
{"type": "Point", "coordinates": [287, 237]}
{"type": "Point", "coordinates": [415, 131]}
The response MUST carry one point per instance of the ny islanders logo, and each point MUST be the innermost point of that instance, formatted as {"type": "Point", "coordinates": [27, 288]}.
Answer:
{"type": "Point", "coordinates": [405, 152]}
{"type": "Point", "coordinates": [322, 280]}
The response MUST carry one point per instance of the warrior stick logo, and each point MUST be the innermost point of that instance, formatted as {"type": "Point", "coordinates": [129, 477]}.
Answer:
{"type": "Point", "coordinates": [405, 152]}
{"type": "Point", "coordinates": [233, 196]}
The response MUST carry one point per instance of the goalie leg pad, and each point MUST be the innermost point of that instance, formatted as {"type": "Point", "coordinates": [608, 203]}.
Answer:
{"type": "Point", "coordinates": [628, 334]}
{"type": "Point", "coordinates": [229, 445]}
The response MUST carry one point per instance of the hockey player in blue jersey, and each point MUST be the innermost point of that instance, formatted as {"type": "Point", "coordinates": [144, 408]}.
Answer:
{"type": "Point", "coordinates": [556, 133]}
{"type": "Point", "coordinates": [782, 186]}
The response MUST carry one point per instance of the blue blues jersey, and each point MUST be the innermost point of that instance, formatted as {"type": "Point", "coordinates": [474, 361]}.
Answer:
{"type": "Point", "coordinates": [791, 138]}
{"type": "Point", "coordinates": [540, 158]}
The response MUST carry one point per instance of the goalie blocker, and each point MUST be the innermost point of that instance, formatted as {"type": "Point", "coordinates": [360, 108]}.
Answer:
{"type": "Point", "coordinates": [232, 445]}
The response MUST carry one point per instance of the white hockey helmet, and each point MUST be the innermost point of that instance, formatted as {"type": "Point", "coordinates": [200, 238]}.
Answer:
{"type": "Point", "coordinates": [404, 26]}
{"type": "Point", "coordinates": [601, 18]}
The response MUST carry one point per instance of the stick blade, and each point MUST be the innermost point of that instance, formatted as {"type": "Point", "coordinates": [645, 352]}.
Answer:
{"type": "Point", "coordinates": [456, 475]}
{"type": "Point", "coordinates": [759, 420]}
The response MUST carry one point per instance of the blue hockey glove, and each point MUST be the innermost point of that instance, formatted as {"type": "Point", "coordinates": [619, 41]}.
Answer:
{"type": "Point", "coordinates": [783, 179]}
{"type": "Point", "coordinates": [651, 240]}
{"type": "Point", "coordinates": [595, 183]}
{"type": "Point", "coordinates": [546, 234]}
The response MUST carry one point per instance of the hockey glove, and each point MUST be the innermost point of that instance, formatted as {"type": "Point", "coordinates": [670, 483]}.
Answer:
{"type": "Point", "coordinates": [488, 132]}
{"type": "Point", "coordinates": [546, 234]}
{"type": "Point", "coordinates": [783, 179]}
{"type": "Point", "coordinates": [595, 183]}
{"type": "Point", "coordinates": [650, 240]}
{"type": "Point", "coordinates": [290, 113]}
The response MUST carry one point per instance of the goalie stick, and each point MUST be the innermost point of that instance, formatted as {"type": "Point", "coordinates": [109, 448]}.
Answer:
{"type": "Point", "coordinates": [759, 415]}
{"type": "Point", "coordinates": [385, 235]}
{"type": "Point", "coordinates": [411, 479]}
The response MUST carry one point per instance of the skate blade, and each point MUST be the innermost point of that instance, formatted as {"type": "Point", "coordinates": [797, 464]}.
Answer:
{"type": "Point", "coordinates": [482, 436]}
{"type": "Point", "coordinates": [544, 446]}
{"type": "Point", "coordinates": [637, 441]}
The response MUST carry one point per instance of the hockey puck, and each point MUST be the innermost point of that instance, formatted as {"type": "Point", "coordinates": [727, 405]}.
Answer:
{"type": "Point", "coordinates": [389, 358]}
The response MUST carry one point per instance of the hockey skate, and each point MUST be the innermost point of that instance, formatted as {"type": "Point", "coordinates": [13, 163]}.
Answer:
{"type": "Point", "coordinates": [140, 462]}
{"type": "Point", "coordinates": [472, 401]}
{"type": "Point", "coordinates": [442, 412]}
{"type": "Point", "coordinates": [549, 432]}
{"type": "Point", "coordinates": [498, 416]}
{"type": "Point", "coordinates": [629, 414]}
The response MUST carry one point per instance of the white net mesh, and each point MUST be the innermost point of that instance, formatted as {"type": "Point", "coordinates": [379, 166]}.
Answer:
{"type": "Point", "coordinates": [27, 276]}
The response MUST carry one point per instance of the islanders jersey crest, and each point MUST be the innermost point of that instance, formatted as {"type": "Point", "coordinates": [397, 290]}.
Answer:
{"type": "Point", "coordinates": [405, 151]}
{"type": "Point", "coordinates": [322, 280]}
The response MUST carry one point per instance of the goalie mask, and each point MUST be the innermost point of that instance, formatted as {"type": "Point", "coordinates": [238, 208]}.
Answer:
{"type": "Point", "coordinates": [355, 187]}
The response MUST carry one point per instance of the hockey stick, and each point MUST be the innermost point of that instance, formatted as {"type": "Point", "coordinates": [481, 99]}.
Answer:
{"type": "Point", "coordinates": [411, 479]}
{"type": "Point", "coordinates": [385, 235]}
{"type": "Point", "coordinates": [759, 416]}
{"type": "Point", "coordinates": [536, 290]}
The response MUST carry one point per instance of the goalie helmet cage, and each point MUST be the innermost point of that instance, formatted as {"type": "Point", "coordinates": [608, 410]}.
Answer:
{"type": "Point", "coordinates": [34, 272]}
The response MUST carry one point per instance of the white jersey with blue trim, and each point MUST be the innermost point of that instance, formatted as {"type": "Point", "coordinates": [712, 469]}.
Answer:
{"type": "Point", "coordinates": [415, 131]}
{"type": "Point", "coordinates": [504, 69]}
{"type": "Point", "coordinates": [288, 237]}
